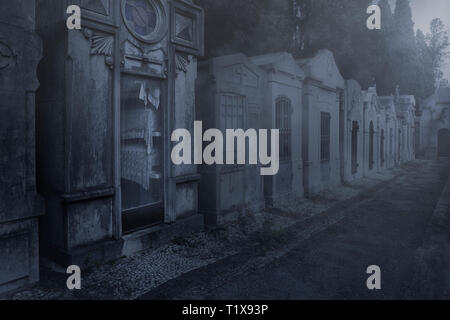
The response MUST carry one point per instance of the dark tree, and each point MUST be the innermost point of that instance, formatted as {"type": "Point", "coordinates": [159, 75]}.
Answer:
{"type": "Point", "coordinates": [427, 77]}
{"type": "Point", "coordinates": [249, 26]}
{"type": "Point", "coordinates": [405, 70]}
{"type": "Point", "coordinates": [438, 44]}
{"type": "Point", "coordinates": [392, 56]}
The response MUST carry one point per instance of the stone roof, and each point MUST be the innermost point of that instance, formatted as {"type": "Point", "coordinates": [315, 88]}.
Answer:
{"type": "Point", "coordinates": [322, 67]}
{"type": "Point", "coordinates": [280, 61]}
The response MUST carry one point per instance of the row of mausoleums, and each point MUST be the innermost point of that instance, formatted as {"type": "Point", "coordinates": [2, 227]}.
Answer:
{"type": "Point", "coordinates": [87, 175]}
{"type": "Point", "coordinates": [331, 131]}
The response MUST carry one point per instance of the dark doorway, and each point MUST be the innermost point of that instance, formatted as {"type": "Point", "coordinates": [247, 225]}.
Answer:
{"type": "Point", "coordinates": [355, 130]}
{"type": "Point", "coordinates": [371, 135]}
{"type": "Point", "coordinates": [444, 143]}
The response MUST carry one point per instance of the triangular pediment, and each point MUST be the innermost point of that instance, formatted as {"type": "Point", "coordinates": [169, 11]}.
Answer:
{"type": "Point", "coordinates": [97, 6]}
{"type": "Point", "coordinates": [322, 67]}
{"type": "Point", "coordinates": [241, 74]}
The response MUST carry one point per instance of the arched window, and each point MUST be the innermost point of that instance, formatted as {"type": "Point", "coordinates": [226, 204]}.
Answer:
{"type": "Point", "coordinates": [371, 136]}
{"type": "Point", "coordinates": [283, 123]}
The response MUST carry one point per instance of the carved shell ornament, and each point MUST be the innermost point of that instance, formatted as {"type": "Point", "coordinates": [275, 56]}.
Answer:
{"type": "Point", "coordinates": [101, 45]}
{"type": "Point", "coordinates": [7, 56]}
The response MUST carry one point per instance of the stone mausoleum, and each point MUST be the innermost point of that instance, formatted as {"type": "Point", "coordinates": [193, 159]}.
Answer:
{"type": "Point", "coordinates": [323, 93]}
{"type": "Point", "coordinates": [283, 111]}
{"type": "Point", "coordinates": [230, 96]}
{"type": "Point", "coordinates": [110, 96]}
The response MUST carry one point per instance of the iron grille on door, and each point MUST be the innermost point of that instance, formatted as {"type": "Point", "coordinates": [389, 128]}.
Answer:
{"type": "Point", "coordinates": [355, 129]}
{"type": "Point", "coordinates": [325, 120]}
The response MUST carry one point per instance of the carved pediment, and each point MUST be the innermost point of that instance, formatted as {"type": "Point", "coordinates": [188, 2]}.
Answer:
{"type": "Point", "coordinates": [242, 75]}
{"type": "Point", "coordinates": [323, 68]}
{"type": "Point", "coordinates": [97, 6]}
{"type": "Point", "coordinates": [101, 45]}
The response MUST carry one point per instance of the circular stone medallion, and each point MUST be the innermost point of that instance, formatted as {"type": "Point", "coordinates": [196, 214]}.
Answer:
{"type": "Point", "coordinates": [145, 19]}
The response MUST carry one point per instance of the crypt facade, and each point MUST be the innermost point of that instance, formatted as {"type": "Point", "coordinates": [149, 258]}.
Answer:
{"type": "Point", "coordinates": [110, 96]}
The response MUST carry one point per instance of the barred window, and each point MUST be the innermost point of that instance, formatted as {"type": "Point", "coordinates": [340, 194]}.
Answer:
{"type": "Point", "coordinates": [325, 120]}
{"type": "Point", "coordinates": [232, 110]}
{"type": "Point", "coordinates": [283, 123]}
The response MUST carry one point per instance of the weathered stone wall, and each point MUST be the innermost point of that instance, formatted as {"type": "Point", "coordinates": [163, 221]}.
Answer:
{"type": "Point", "coordinates": [75, 135]}
{"type": "Point", "coordinates": [20, 53]}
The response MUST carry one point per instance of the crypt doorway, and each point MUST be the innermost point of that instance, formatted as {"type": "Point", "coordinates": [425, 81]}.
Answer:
{"type": "Point", "coordinates": [142, 152]}
{"type": "Point", "coordinates": [143, 110]}
{"type": "Point", "coordinates": [444, 143]}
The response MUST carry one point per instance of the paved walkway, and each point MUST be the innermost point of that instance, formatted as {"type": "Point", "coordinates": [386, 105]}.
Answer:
{"type": "Point", "coordinates": [310, 248]}
{"type": "Point", "coordinates": [403, 226]}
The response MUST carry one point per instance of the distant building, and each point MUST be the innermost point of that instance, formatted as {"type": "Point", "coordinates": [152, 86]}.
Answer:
{"type": "Point", "coordinates": [406, 115]}
{"type": "Point", "coordinates": [434, 131]}
{"type": "Point", "coordinates": [391, 129]}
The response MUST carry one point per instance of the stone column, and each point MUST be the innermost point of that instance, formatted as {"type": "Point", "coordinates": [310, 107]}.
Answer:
{"type": "Point", "coordinates": [20, 53]}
